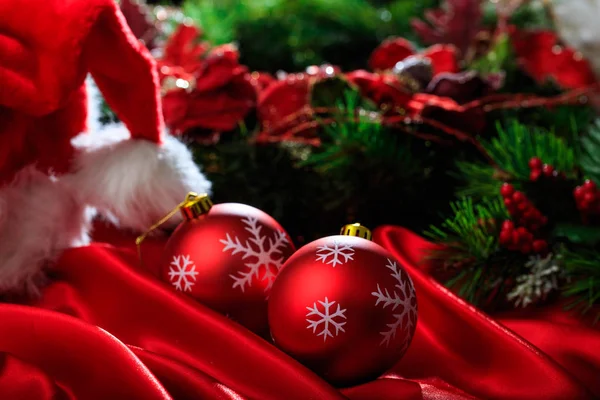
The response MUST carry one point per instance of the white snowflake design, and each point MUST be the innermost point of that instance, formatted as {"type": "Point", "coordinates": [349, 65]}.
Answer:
{"type": "Point", "coordinates": [326, 318]}
{"type": "Point", "coordinates": [542, 279]}
{"type": "Point", "coordinates": [182, 273]}
{"type": "Point", "coordinates": [259, 256]}
{"type": "Point", "coordinates": [402, 298]}
{"type": "Point", "coordinates": [336, 251]}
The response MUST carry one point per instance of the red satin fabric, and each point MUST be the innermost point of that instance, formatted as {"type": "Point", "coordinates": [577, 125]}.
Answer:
{"type": "Point", "coordinates": [129, 336]}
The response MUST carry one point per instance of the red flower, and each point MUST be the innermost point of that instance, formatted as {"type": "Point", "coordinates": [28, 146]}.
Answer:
{"type": "Point", "coordinates": [462, 121]}
{"type": "Point", "coordinates": [542, 57]}
{"type": "Point", "coordinates": [443, 57]}
{"type": "Point", "coordinates": [384, 89]}
{"type": "Point", "coordinates": [206, 89]}
{"type": "Point", "coordinates": [284, 106]}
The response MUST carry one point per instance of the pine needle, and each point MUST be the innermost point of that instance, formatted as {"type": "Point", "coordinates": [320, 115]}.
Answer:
{"type": "Point", "coordinates": [590, 153]}
{"type": "Point", "coordinates": [516, 144]}
{"type": "Point", "coordinates": [583, 279]}
{"type": "Point", "coordinates": [472, 230]}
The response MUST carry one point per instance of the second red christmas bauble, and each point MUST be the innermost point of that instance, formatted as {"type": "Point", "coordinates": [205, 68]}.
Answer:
{"type": "Point", "coordinates": [344, 307]}
{"type": "Point", "coordinates": [226, 256]}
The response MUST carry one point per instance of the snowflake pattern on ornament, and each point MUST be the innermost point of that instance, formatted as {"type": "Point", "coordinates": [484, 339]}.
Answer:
{"type": "Point", "coordinates": [182, 273]}
{"type": "Point", "coordinates": [333, 254]}
{"type": "Point", "coordinates": [260, 257]}
{"type": "Point", "coordinates": [326, 318]}
{"type": "Point", "coordinates": [406, 316]}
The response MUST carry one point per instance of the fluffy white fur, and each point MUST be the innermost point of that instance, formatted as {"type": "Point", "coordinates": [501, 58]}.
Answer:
{"type": "Point", "coordinates": [134, 181]}
{"type": "Point", "coordinates": [39, 217]}
{"type": "Point", "coordinates": [577, 24]}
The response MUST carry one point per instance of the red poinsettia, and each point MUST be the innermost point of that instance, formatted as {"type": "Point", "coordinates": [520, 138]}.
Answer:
{"type": "Point", "coordinates": [541, 55]}
{"type": "Point", "coordinates": [204, 88]}
{"type": "Point", "coordinates": [284, 105]}
{"type": "Point", "coordinates": [456, 22]}
{"type": "Point", "coordinates": [443, 58]}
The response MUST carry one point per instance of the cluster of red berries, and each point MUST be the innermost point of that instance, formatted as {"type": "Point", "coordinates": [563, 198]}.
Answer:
{"type": "Point", "coordinates": [521, 209]}
{"type": "Point", "coordinates": [521, 239]}
{"type": "Point", "coordinates": [587, 197]}
{"type": "Point", "coordinates": [539, 169]}
{"type": "Point", "coordinates": [529, 220]}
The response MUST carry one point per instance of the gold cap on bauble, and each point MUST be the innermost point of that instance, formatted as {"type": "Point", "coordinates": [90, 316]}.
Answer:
{"type": "Point", "coordinates": [195, 205]}
{"type": "Point", "coordinates": [356, 230]}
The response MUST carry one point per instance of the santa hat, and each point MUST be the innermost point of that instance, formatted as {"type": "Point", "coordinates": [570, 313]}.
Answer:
{"type": "Point", "coordinates": [51, 172]}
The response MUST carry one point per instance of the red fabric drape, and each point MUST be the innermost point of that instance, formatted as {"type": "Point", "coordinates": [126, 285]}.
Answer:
{"type": "Point", "coordinates": [107, 328]}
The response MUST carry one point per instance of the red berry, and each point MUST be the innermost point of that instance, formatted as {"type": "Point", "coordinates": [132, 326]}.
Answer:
{"type": "Point", "coordinates": [534, 227]}
{"type": "Point", "coordinates": [579, 192]}
{"type": "Point", "coordinates": [585, 205]}
{"type": "Point", "coordinates": [516, 238]}
{"type": "Point", "coordinates": [543, 220]}
{"type": "Point", "coordinates": [530, 215]}
{"type": "Point", "coordinates": [588, 198]}
{"type": "Point", "coordinates": [535, 175]}
{"type": "Point", "coordinates": [508, 225]}
{"type": "Point", "coordinates": [540, 246]}
{"type": "Point", "coordinates": [507, 190]}
{"type": "Point", "coordinates": [548, 170]}
{"type": "Point", "coordinates": [535, 163]}
{"type": "Point", "coordinates": [522, 233]}
{"type": "Point", "coordinates": [505, 237]}
{"type": "Point", "coordinates": [589, 186]}
{"type": "Point", "coordinates": [518, 197]}
{"type": "Point", "coordinates": [523, 206]}
{"type": "Point", "coordinates": [526, 248]}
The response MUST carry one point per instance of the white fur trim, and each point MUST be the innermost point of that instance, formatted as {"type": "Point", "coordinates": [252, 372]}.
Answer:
{"type": "Point", "coordinates": [135, 181]}
{"type": "Point", "coordinates": [39, 217]}
{"type": "Point", "coordinates": [577, 24]}
{"type": "Point", "coordinates": [94, 105]}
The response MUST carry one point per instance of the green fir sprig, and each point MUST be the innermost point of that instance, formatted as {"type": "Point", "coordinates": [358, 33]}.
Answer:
{"type": "Point", "coordinates": [590, 153]}
{"type": "Point", "coordinates": [516, 144]}
{"type": "Point", "coordinates": [472, 230]}
{"type": "Point", "coordinates": [478, 179]}
{"type": "Point", "coordinates": [583, 284]}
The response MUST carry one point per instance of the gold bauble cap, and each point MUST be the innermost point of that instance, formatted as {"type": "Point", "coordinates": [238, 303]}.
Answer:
{"type": "Point", "coordinates": [195, 205]}
{"type": "Point", "coordinates": [356, 230]}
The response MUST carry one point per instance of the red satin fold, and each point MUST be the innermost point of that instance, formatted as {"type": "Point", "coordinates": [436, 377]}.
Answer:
{"type": "Point", "coordinates": [169, 346]}
{"type": "Point", "coordinates": [479, 354]}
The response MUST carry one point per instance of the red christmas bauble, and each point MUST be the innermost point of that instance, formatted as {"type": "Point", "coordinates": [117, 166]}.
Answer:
{"type": "Point", "coordinates": [344, 307]}
{"type": "Point", "coordinates": [227, 256]}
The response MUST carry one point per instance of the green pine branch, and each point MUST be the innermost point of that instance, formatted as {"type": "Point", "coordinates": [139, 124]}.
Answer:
{"type": "Point", "coordinates": [472, 230]}
{"type": "Point", "coordinates": [304, 32]}
{"type": "Point", "coordinates": [583, 279]}
{"type": "Point", "coordinates": [516, 144]}
{"type": "Point", "coordinates": [590, 153]}
{"type": "Point", "coordinates": [356, 139]}
{"type": "Point", "coordinates": [479, 180]}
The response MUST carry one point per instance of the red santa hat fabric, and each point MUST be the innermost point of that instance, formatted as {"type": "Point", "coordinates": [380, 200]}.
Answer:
{"type": "Point", "coordinates": [51, 173]}
{"type": "Point", "coordinates": [46, 50]}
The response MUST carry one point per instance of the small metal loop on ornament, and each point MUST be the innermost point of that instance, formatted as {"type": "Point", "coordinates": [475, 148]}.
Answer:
{"type": "Point", "coordinates": [191, 199]}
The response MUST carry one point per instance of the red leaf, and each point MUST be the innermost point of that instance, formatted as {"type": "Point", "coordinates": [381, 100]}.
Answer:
{"type": "Point", "coordinates": [541, 56]}
{"type": "Point", "coordinates": [183, 51]}
{"type": "Point", "coordinates": [138, 18]}
{"type": "Point", "coordinates": [455, 119]}
{"type": "Point", "coordinates": [457, 23]}
{"type": "Point", "coordinates": [218, 110]}
{"type": "Point", "coordinates": [390, 52]}
{"type": "Point", "coordinates": [443, 58]}
{"type": "Point", "coordinates": [383, 89]}
{"type": "Point", "coordinates": [282, 107]}
{"type": "Point", "coordinates": [219, 68]}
